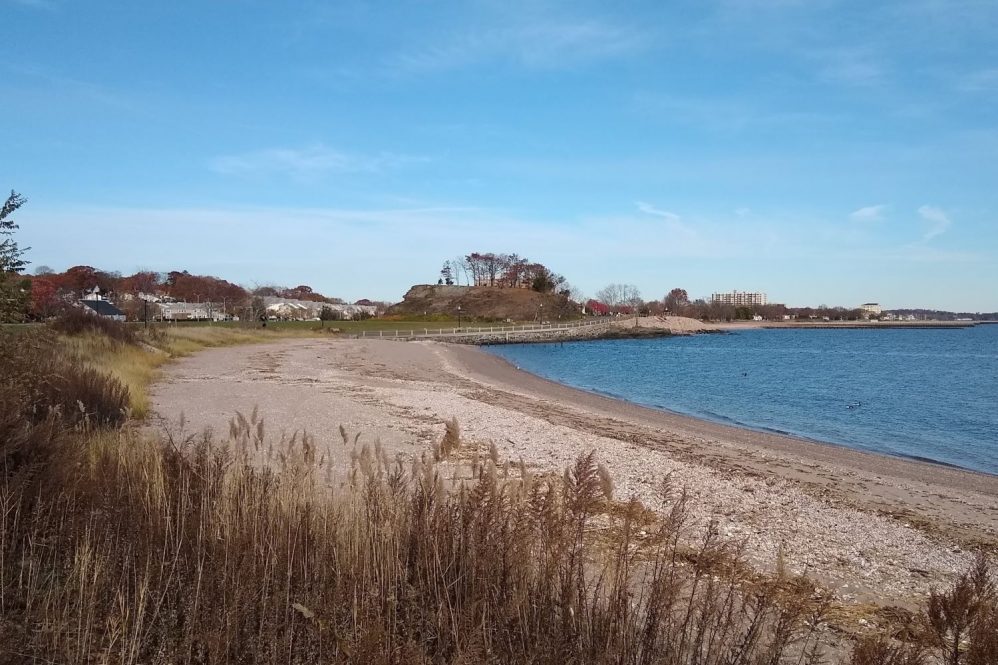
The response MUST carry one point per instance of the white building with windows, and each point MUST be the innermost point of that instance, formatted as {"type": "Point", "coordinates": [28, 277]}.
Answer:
{"type": "Point", "coordinates": [871, 308]}
{"type": "Point", "coordinates": [190, 311]}
{"type": "Point", "coordinates": [739, 298]}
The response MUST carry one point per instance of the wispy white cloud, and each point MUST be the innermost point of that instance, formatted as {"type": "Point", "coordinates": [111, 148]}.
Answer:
{"type": "Point", "coordinates": [35, 4]}
{"type": "Point", "coordinates": [44, 85]}
{"type": "Point", "coordinates": [937, 219]}
{"type": "Point", "coordinates": [308, 162]}
{"type": "Point", "coordinates": [874, 213]}
{"type": "Point", "coordinates": [726, 114]}
{"type": "Point", "coordinates": [984, 80]}
{"type": "Point", "coordinates": [649, 209]}
{"type": "Point", "coordinates": [543, 44]}
{"type": "Point", "coordinates": [920, 253]}
{"type": "Point", "coordinates": [851, 66]}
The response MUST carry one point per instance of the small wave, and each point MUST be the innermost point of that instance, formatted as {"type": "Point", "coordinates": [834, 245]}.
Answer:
{"type": "Point", "coordinates": [931, 460]}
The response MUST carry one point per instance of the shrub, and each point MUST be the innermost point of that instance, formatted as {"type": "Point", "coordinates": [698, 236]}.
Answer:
{"type": "Point", "coordinates": [879, 651]}
{"type": "Point", "coordinates": [41, 381]}
{"type": "Point", "coordinates": [88, 397]}
{"type": "Point", "coordinates": [30, 433]}
{"type": "Point", "coordinates": [963, 620]}
{"type": "Point", "coordinates": [76, 321]}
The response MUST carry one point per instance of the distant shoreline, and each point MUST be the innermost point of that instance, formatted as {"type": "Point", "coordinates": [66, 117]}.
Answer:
{"type": "Point", "coordinates": [851, 325]}
{"type": "Point", "coordinates": [653, 327]}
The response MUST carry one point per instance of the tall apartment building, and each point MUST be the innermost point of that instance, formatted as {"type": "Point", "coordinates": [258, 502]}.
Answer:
{"type": "Point", "coordinates": [738, 298]}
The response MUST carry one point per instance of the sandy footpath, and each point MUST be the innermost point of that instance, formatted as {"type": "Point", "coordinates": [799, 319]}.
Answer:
{"type": "Point", "coordinates": [871, 528]}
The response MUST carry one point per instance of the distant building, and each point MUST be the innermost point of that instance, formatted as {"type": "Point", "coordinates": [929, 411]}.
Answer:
{"type": "Point", "coordinates": [148, 297]}
{"type": "Point", "coordinates": [190, 311]}
{"type": "Point", "coordinates": [871, 308]}
{"type": "Point", "coordinates": [290, 308]}
{"type": "Point", "coordinates": [93, 302]}
{"type": "Point", "coordinates": [102, 308]}
{"type": "Point", "coordinates": [739, 298]}
{"type": "Point", "coordinates": [93, 294]}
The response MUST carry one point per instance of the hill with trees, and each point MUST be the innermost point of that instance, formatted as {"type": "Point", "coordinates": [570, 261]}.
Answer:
{"type": "Point", "coordinates": [484, 303]}
{"type": "Point", "coordinates": [496, 287]}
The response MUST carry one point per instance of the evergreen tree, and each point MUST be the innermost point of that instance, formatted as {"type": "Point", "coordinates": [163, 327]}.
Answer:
{"type": "Point", "coordinates": [15, 291]}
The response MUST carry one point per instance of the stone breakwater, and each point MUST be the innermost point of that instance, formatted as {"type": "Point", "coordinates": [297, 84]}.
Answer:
{"type": "Point", "coordinates": [630, 328]}
{"type": "Point", "coordinates": [580, 335]}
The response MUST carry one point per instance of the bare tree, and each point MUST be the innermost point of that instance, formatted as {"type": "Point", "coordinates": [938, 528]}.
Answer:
{"type": "Point", "coordinates": [617, 295]}
{"type": "Point", "coordinates": [676, 300]}
{"type": "Point", "coordinates": [460, 267]}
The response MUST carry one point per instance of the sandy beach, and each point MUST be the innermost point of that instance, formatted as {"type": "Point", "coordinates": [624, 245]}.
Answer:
{"type": "Point", "coordinates": [875, 530]}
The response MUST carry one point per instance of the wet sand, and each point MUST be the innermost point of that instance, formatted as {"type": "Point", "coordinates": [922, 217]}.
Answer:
{"type": "Point", "coordinates": [873, 529]}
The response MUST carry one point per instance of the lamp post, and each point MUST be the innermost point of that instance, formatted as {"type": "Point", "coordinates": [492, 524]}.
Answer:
{"type": "Point", "coordinates": [459, 317]}
{"type": "Point", "coordinates": [540, 315]}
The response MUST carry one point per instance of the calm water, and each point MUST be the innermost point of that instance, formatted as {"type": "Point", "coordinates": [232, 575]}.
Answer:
{"type": "Point", "coordinates": [928, 394]}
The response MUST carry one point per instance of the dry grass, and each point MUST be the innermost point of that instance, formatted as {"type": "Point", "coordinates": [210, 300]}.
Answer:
{"type": "Point", "coordinates": [119, 549]}
{"type": "Point", "coordinates": [201, 553]}
{"type": "Point", "coordinates": [135, 356]}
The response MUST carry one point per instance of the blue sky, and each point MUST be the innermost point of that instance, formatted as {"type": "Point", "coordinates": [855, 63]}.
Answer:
{"type": "Point", "coordinates": [821, 151]}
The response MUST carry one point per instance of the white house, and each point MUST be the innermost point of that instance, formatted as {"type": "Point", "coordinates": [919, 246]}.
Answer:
{"type": "Point", "coordinates": [94, 303]}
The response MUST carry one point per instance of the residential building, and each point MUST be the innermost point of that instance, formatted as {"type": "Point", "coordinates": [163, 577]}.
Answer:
{"type": "Point", "coordinates": [871, 308]}
{"type": "Point", "coordinates": [190, 311]}
{"type": "Point", "coordinates": [93, 302]}
{"type": "Point", "coordinates": [102, 308]}
{"type": "Point", "coordinates": [290, 308]}
{"type": "Point", "coordinates": [739, 298]}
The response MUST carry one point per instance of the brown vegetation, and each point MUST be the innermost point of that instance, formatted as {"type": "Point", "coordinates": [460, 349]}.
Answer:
{"type": "Point", "coordinates": [118, 549]}
{"type": "Point", "coordinates": [75, 321]}
{"type": "Point", "coordinates": [484, 303]}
